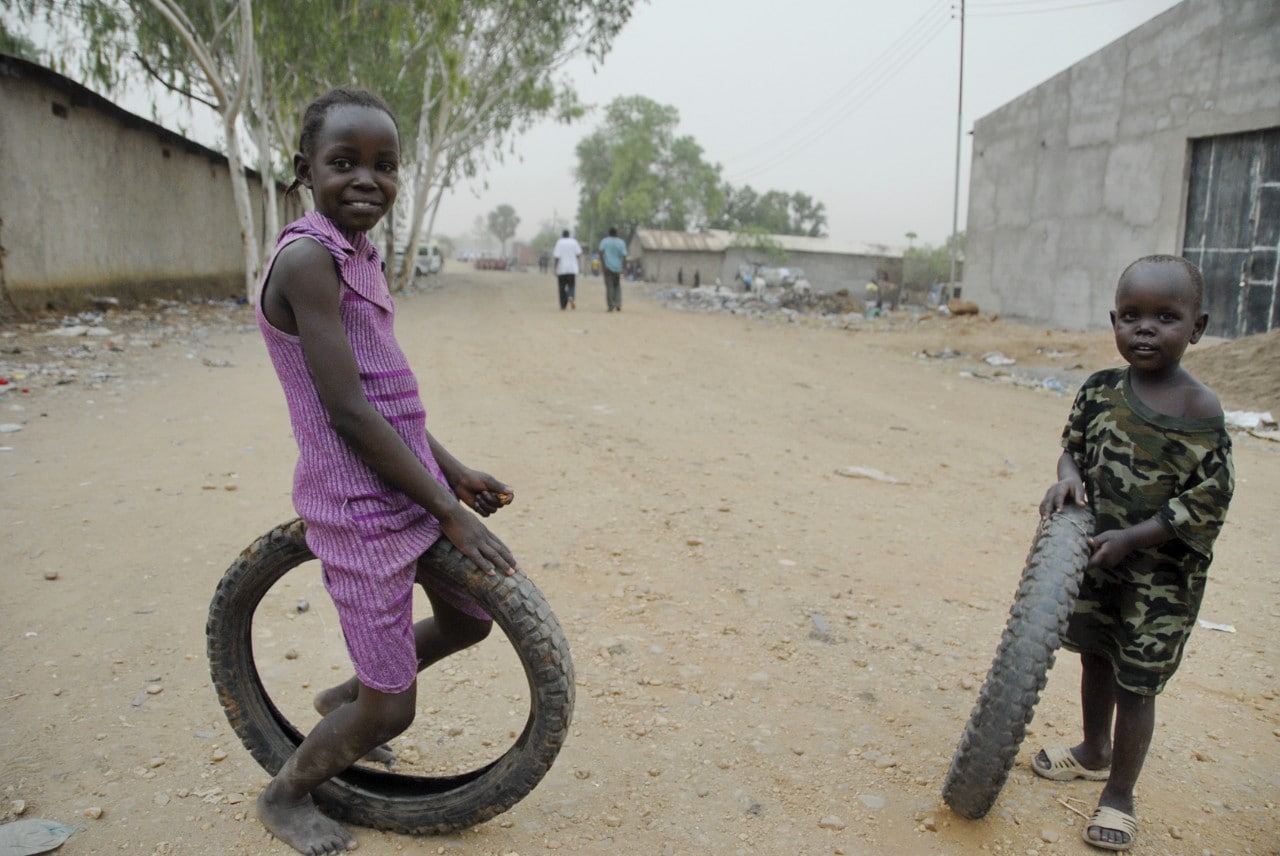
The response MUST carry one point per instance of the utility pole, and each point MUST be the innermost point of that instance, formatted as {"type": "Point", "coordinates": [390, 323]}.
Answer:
{"type": "Point", "coordinates": [955, 202]}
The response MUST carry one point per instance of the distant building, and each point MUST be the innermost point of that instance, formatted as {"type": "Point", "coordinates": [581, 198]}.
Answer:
{"type": "Point", "coordinates": [828, 265]}
{"type": "Point", "coordinates": [100, 202]}
{"type": "Point", "coordinates": [1165, 141]}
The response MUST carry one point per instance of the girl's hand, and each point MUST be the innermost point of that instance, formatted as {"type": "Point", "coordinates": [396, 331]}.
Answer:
{"type": "Point", "coordinates": [478, 544]}
{"type": "Point", "coordinates": [1070, 489]}
{"type": "Point", "coordinates": [481, 492]}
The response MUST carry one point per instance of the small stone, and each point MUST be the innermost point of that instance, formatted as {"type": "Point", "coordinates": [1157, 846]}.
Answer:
{"type": "Point", "coordinates": [1175, 833]}
{"type": "Point", "coordinates": [51, 575]}
{"type": "Point", "coordinates": [157, 761]}
{"type": "Point", "coordinates": [582, 774]}
{"type": "Point", "coordinates": [303, 605]}
{"type": "Point", "coordinates": [612, 820]}
{"type": "Point", "coordinates": [1202, 756]}
{"type": "Point", "coordinates": [291, 654]}
{"type": "Point", "coordinates": [930, 823]}
{"type": "Point", "coordinates": [219, 755]}
{"type": "Point", "coordinates": [1049, 836]}
{"type": "Point", "coordinates": [18, 806]}
{"type": "Point", "coordinates": [161, 799]}
{"type": "Point", "coordinates": [966, 682]}
{"type": "Point", "coordinates": [231, 486]}
{"type": "Point", "coordinates": [154, 689]}
{"type": "Point", "coordinates": [93, 812]}
{"type": "Point", "coordinates": [831, 822]}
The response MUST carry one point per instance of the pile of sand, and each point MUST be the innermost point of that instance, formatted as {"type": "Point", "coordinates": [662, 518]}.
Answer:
{"type": "Point", "coordinates": [1245, 373]}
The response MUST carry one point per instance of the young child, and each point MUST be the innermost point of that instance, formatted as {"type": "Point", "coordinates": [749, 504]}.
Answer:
{"type": "Point", "coordinates": [375, 488]}
{"type": "Point", "coordinates": [1148, 448]}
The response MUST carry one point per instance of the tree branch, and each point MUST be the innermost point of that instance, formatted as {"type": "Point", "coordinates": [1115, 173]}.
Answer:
{"type": "Point", "coordinates": [185, 93]}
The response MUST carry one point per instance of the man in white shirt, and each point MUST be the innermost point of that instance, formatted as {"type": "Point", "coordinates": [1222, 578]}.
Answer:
{"type": "Point", "coordinates": [566, 253]}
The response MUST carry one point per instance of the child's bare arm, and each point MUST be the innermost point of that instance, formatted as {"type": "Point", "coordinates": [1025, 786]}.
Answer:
{"type": "Point", "coordinates": [1068, 488]}
{"type": "Point", "coordinates": [1113, 545]}
{"type": "Point", "coordinates": [310, 284]}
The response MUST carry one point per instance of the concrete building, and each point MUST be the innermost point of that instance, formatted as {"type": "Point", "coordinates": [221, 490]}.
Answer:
{"type": "Point", "coordinates": [96, 201]}
{"type": "Point", "coordinates": [828, 265]}
{"type": "Point", "coordinates": [1165, 141]}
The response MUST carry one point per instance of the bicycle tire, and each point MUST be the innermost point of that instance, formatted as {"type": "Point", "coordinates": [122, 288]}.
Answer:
{"type": "Point", "coordinates": [1006, 703]}
{"type": "Point", "coordinates": [370, 797]}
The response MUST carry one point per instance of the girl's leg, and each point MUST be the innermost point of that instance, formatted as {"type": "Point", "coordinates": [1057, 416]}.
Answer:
{"type": "Point", "coordinates": [1135, 723]}
{"type": "Point", "coordinates": [344, 736]}
{"type": "Point", "coordinates": [446, 632]}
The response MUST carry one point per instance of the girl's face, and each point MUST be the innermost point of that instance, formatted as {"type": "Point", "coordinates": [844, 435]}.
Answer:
{"type": "Point", "coordinates": [1156, 317]}
{"type": "Point", "coordinates": [353, 171]}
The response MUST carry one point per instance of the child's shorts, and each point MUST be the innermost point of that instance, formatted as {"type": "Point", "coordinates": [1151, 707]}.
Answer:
{"type": "Point", "coordinates": [1139, 616]}
{"type": "Point", "coordinates": [376, 612]}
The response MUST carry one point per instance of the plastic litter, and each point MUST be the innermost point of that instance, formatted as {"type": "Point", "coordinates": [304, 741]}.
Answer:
{"type": "Point", "coordinates": [1210, 625]}
{"type": "Point", "coordinates": [866, 473]}
{"type": "Point", "coordinates": [33, 835]}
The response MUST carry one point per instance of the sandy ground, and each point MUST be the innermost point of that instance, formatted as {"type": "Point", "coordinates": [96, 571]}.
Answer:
{"type": "Point", "coordinates": [771, 658]}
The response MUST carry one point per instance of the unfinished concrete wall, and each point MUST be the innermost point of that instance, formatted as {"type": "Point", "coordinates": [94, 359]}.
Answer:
{"type": "Point", "coordinates": [97, 201]}
{"type": "Point", "coordinates": [1088, 171]}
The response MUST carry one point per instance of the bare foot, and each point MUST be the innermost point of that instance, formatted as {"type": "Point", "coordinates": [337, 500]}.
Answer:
{"type": "Point", "coordinates": [303, 827]}
{"type": "Point", "coordinates": [327, 701]}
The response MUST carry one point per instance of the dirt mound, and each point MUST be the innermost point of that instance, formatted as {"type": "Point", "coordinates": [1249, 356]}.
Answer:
{"type": "Point", "coordinates": [821, 303]}
{"type": "Point", "coordinates": [1245, 373]}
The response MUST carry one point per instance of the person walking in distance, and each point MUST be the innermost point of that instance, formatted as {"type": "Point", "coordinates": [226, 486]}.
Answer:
{"type": "Point", "coordinates": [566, 253]}
{"type": "Point", "coordinates": [613, 250]}
{"type": "Point", "coordinates": [375, 488]}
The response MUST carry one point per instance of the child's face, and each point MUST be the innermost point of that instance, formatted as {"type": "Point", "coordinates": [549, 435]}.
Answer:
{"type": "Point", "coordinates": [353, 171]}
{"type": "Point", "coordinates": [1156, 317]}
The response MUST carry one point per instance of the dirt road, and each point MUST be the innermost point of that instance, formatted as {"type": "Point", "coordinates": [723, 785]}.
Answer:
{"type": "Point", "coordinates": [772, 658]}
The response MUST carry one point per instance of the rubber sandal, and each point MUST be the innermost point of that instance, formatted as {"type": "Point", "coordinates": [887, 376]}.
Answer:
{"type": "Point", "coordinates": [1115, 820]}
{"type": "Point", "coordinates": [1063, 767]}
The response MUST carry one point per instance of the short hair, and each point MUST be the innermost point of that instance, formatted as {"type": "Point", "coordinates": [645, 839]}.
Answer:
{"type": "Point", "coordinates": [613, 231]}
{"type": "Point", "coordinates": [565, 233]}
{"type": "Point", "coordinates": [313, 116]}
{"type": "Point", "coordinates": [1193, 273]}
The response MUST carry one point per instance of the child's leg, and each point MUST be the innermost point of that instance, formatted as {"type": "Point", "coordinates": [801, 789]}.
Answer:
{"type": "Point", "coordinates": [447, 631]}
{"type": "Point", "coordinates": [1135, 723]}
{"type": "Point", "coordinates": [1097, 703]}
{"type": "Point", "coordinates": [286, 807]}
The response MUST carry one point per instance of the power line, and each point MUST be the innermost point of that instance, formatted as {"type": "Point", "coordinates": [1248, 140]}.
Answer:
{"type": "Point", "coordinates": [852, 93]}
{"type": "Point", "coordinates": [981, 9]}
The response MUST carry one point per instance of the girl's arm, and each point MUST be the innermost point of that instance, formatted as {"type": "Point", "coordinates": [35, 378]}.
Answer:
{"type": "Point", "coordinates": [306, 279]}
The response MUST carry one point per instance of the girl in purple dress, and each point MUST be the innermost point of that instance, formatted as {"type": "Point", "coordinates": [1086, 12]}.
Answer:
{"type": "Point", "coordinates": [375, 488]}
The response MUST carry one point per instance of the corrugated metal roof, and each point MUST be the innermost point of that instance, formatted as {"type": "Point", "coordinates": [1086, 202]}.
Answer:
{"type": "Point", "coordinates": [719, 240]}
{"type": "Point", "coordinates": [658, 240]}
{"type": "Point", "coordinates": [805, 244]}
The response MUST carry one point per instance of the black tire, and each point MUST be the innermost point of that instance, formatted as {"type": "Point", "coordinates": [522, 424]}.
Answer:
{"type": "Point", "coordinates": [370, 797]}
{"type": "Point", "coordinates": [1007, 700]}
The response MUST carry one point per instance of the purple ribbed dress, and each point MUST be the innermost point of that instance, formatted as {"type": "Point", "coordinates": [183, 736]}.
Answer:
{"type": "Point", "coordinates": [367, 535]}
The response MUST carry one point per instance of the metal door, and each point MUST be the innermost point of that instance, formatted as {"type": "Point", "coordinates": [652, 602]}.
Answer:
{"type": "Point", "coordinates": [1233, 229]}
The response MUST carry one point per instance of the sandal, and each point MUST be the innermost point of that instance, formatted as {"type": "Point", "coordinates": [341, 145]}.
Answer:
{"type": "Point", "coordinates": [1063, 767]}
{"type": "Point", "coordinates": [1114, 820]}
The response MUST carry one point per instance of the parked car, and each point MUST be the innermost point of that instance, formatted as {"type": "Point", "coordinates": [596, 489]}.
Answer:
{"type": "Point", "coordinates": [429, 261]}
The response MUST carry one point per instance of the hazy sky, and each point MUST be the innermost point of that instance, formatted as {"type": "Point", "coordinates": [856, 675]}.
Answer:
{"type": "Point", "coordinates": [851, 101]}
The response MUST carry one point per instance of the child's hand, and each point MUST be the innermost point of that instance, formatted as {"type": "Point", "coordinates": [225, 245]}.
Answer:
{"type": "Point", "coordinates": [1062, 492]}
{"type": "Point", "coordinates": [478, 544]}
{"type": "Point", "coordinates": [481, 492]}
{"type": "Point", "coordinates": [1109, 548]}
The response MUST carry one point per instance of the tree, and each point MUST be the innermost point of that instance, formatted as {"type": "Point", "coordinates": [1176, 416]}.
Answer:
{"type": "Point", "coordinates": [489, 71]}
{"type": "Point", "coordinates": [634, 171]}
{"type": "Point", "coordinates": [926, 265]}
{"type": "Point", "coordinates": [502, 225]}
{"type": "Point", "coordinates": [774, 212]}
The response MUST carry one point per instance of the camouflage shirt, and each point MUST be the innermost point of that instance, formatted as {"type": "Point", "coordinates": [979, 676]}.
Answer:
{"type": "Point", "coordinates": [1137, 465]}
